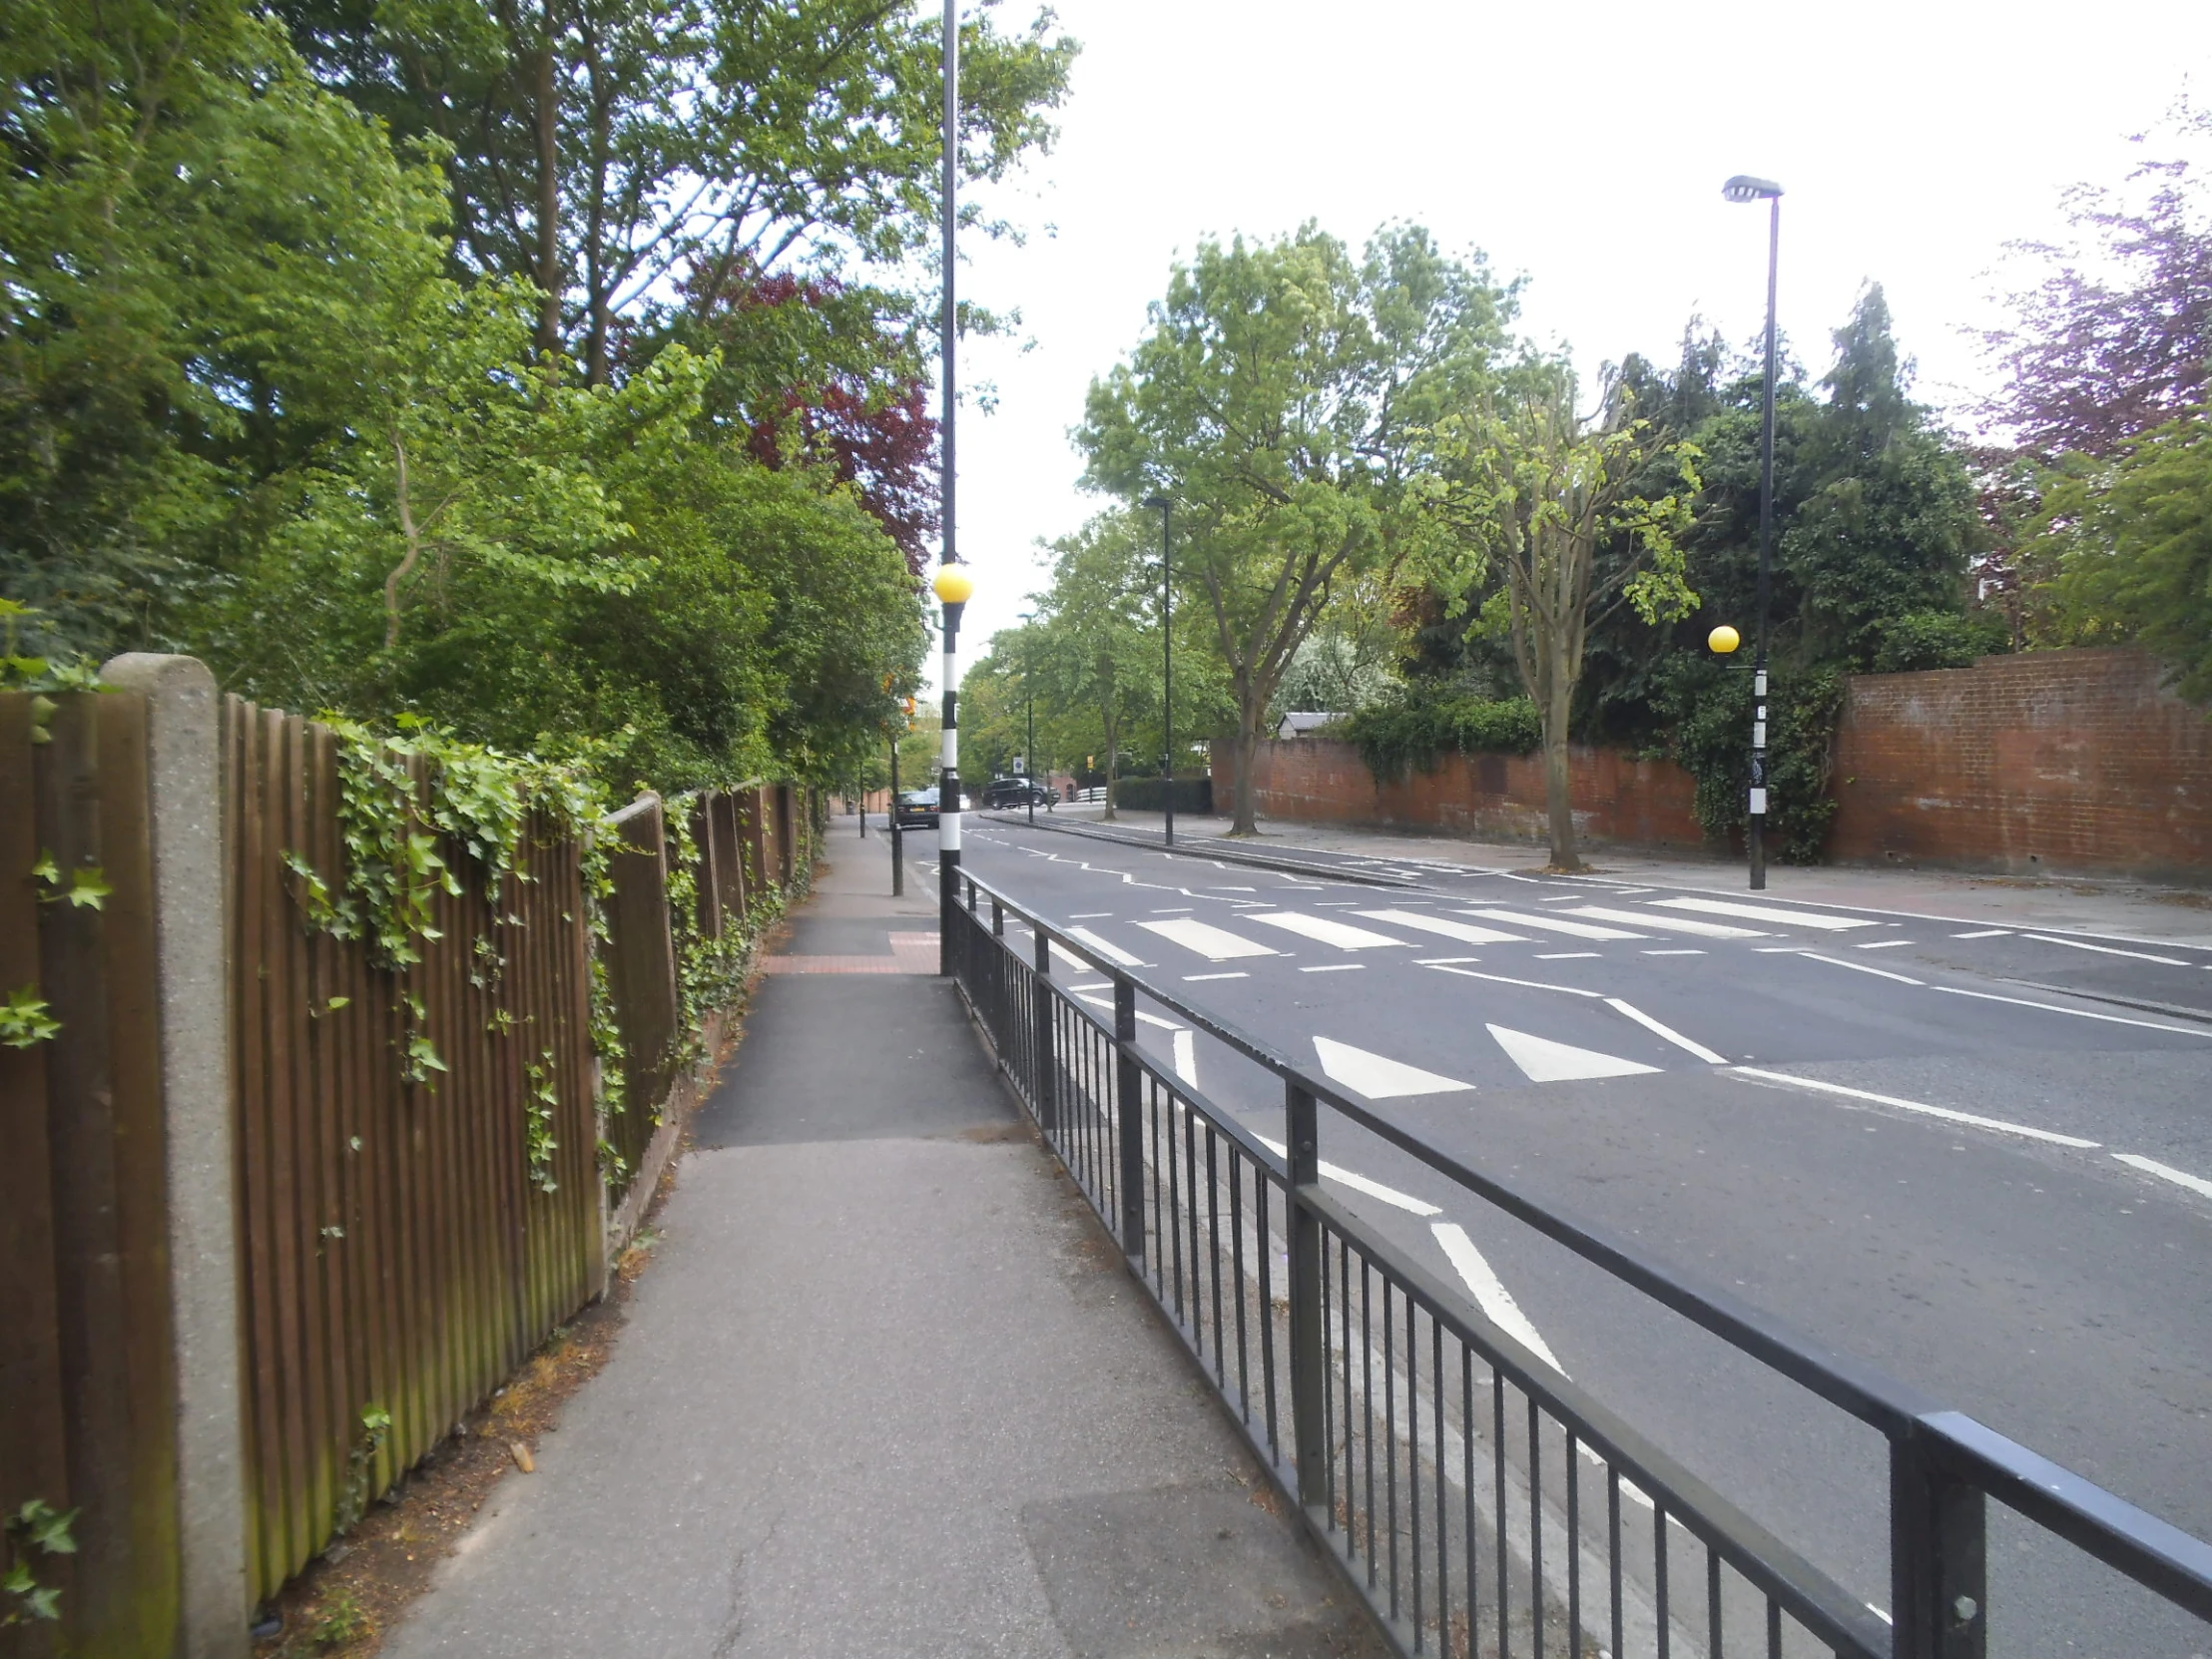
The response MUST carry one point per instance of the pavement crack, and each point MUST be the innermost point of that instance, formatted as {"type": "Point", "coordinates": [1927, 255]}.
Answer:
{"type": "Point", "coordinates": [732, 1624]}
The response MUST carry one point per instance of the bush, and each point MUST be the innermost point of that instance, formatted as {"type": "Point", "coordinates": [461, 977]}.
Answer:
{"type": "Point", "coordinates": [1149, 795]}
{"type": "Point", "coordinates": [1710, 705]}
{"type": "Point", "coordinates": [1413, 729]}
{"type": "Point", "coordinates": [1937, 639]}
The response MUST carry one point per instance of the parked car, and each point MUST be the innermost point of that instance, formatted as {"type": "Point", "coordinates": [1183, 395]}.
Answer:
{"type": "Point", "coordinates": [917, 809]}
{"type": "Point", "coordinates": [1016, 792]}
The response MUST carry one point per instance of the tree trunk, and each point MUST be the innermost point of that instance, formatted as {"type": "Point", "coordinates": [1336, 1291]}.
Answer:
{"type": "Point", "coordinates": [1242, 820]}
{"type": "Point", "coordinates": [1558, 798]}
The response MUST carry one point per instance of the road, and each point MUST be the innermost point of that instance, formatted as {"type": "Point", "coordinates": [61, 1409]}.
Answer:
{"type": "Point", "coordinates": [1886, 1128]}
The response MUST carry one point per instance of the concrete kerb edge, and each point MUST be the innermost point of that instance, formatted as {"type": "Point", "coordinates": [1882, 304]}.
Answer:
{"type": "Point", "coordinates": [191, 917]}
{"type": "Point", "coordinates": [1256, 861]}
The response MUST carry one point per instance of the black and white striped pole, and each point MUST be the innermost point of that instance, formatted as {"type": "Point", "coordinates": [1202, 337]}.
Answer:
{"type": "Point", "coordinates": [1744, 187]}
{"type": "Point", "coordinates": [952, 584]}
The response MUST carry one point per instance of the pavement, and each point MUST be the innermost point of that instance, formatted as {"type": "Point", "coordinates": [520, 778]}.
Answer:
{"type": "Point", "coordinates": [1959, 1127]}
{"type": "Point", "coordinates": [887, 1388]}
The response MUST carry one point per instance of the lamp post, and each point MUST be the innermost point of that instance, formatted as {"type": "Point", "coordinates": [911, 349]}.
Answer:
{"type": "Point", "coordinates": [1744, 187]}
{"type": "Point", "coordinates": [1167, 659]}
{"type": "Point", "coordinates": [1030, 699]}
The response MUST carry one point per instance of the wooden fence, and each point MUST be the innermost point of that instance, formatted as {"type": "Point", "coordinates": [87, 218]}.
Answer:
{"type": "Point", "coordinates": [419, 1171]}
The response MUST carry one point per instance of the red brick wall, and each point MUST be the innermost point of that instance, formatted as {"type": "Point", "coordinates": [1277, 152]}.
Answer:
{"type": "Point", "coordinates": [2065, 761]}
{"type": "Point", "coordinates": [1485, 796]}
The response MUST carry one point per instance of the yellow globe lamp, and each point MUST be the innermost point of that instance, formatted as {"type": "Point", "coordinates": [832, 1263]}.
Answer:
{"type": "Point", "coordinates": [954, 585]}
{"type": "Point", "coordinates": [1724, 638]}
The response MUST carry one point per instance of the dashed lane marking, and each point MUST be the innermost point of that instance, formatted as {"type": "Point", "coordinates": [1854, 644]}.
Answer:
{"type": "Point", "coordinates": [1192, 978]}
{"type": "Point", "coordinates": [2166, 1172]}
{"type": "Point", "coordinates": [1336, 968]}
{"type": "Point", "coordinates": [2078, 1013]}
{"type": "Point", "coordinates": [1976, 1119]}
{"type": "Point", "coordinates": [1860, 967]}
{"type": "Point", "coordinates": [1361, 1184]}
{"type": "Point", "coordinates": [1983, 933]}
{"type": "Point", "coordinates": [1506, 980]}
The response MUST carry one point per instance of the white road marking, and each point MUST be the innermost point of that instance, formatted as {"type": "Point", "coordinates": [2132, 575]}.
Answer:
{"type": "Point", "coordinates": [1342, 935]}
{"type": "Point", "coordinates": [1186, 1057]}
{"type": "Point", "coordinates": [1464, 931]}
{"type": "Point", "coordinates": [1361, 1184]}
{"type": "Point", "coordinates": [1883, 944]}
{"type": "Point", "coordinates": [1336, 968]}
{"type": "Point", "coordinates": [2106, 949]}
{"type": "Point", "coordinates": [1762, 912]}
{"type": "Point", "coordinates": [1192, 978]}
{"type": "Point", "coordinates": [1489, 1291]}
{"type": "Point", "coordinates": [1377, 1077]}
{"type": "Point", "coordinates": [1983, 933]}
{"type": "Point", "coordinates": [1170, 910]}
{"type": "Point", "coordinates": [1440, 962]}
{"type": "Point", "coordinates": [1860, 967]}
{"type": "Point", "coordinates": [2166, 1172]}
{"type": "Point", "coordinates": [2078, 1013]}
{"type": "Point", "coordinates": [1553, 925]}
{"type": "Point", "coordinates": [1112, 952]}
{"type": "Point", "coordinates": [1143, 1017]}
{"type": "Point", "coordinates": [1503, 980]}
{"type": "Point", "coordinates": [1671, 954]}
{"type": "Point", "coordinates": [1670, 925]}
{"type": "Point", "coordinates": [1090, 915]}
{"type": "Point", "coordinates": [1214, 944]}
{"type": "Point", "coordinates": [1922, 1107]}
{"type": "Point", "coordinates": [1565, 955]}
{"type": "Point", "coordinates": [1667, 1032]}
{"type": "Point", "coordinates": [1546, 1061]}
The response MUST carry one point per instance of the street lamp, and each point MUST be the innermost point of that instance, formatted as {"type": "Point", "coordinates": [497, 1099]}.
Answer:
{"type": "Point", "coordinates": [1167, 658]}
{"type": "Point", "coordinates": [953, 588]}
{"type": "Point", "coordinates": [1744, 187]}
{"type": "Point", "coordinates": [1030, 697]}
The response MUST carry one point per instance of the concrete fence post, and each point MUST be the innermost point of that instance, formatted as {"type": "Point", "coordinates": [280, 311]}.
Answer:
{"type": "Point", "coordinates": [192, 911]}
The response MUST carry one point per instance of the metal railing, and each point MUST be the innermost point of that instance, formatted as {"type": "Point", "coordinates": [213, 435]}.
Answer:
{"type": "Point", "coordinates": [1481, 1502]}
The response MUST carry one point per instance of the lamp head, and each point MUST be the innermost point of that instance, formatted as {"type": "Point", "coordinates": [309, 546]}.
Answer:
{"type": "Point", "coordinates": [954, 585]}
{"type": "Point", "coordinates": [1744, 187]}
{"type": "Point", "coordinates": [1724, 638]}
{"type": "Point", "coordinates": [1156, 500]}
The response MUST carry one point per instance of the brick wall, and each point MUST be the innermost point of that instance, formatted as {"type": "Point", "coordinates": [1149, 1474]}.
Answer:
{"type": "Point", "coordinates": [2059, 761]}
{"type": "Point", "coordinates": [2055, 761]}
{"type": "Point", "coordinates": [1483, 797]}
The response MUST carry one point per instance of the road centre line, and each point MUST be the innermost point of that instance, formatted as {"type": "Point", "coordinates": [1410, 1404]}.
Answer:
{"type": "Point", "coordinates": [1860, 967]}
{"type": "Point", "coordinates": [1667, 1032]}
{"type": "Point", "coordinates": [2106, 949]}
{"type": "Point", "coordinates": [2166, 1172]}
{"type": "Point", "coordinates": [1503, 980]}
{"type": "Point", "coordinates": [2078, 1013]}
{"type": "Point", "coordinates": [1983, 933]}
{"type": "Point", "coordinates": [1944, 1112]}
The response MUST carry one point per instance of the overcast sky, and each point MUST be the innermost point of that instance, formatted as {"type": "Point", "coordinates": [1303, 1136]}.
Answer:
{"type": "Point", "coordinates": [1582, 146]}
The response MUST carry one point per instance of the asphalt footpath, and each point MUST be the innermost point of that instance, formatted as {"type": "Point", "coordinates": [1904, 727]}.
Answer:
{"type": "Point", "coordinates": [887, 1388]}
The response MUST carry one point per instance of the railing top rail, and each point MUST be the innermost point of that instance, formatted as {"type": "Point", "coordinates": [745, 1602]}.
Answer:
{"type": "Point", "coordinates": [2135, 1542]}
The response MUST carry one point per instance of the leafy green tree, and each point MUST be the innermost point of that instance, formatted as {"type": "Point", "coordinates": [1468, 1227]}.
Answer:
{"type": "Point", "coordinates": [1528, 487]}
{"type": "Point", "coordinates": [602, 148]}
{"type": "Point", "coordinates": [1282, 399]}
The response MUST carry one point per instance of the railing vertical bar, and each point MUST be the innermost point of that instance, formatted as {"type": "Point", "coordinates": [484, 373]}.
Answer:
{"type": "Point", "coordinates": [1535, 1528]}
{"type": "Point", "coordinates": [1212, 1248]}
{"type": "Point", "coordinates": [1659, 1569]}
{"type": "Point", "coordinates": [1366, 1397]}
{"type": "Point", "coordinates": [1466, 1494]}
{"type": "Point", "coordinates": [1344, 1320]}
{"type": "Point", "coordinates": [1574, 1549]}
{"type": "Point", "coordinates": [1443, 1535]}
{"type": "Point", "coordinates": [1774, 1628]}
{"type": "Point", "coordinates": [1413, 1454]}
{"type": "Point", "coordinates": [1613, 1547]}
{"type": "Point", "coordinates": [1713, 1647]}
{"type": "Point", "coordinates": [1236, 1162]}
{"type": "Point", "coordinates": [1190, 1186]}
{"type": "Point", "coordinates": [1308, 1351]}
{"type": "Point", "coordinates": [1171, 1241]}
{"type": "Point", "coordinates": [1497, 1496]}
{"type": "Point", "coordinates": [1266, 1317]}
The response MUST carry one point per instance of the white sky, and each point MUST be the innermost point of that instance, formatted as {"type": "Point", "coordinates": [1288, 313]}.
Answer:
{"type": "Point", "coordinates": [1582, 145]}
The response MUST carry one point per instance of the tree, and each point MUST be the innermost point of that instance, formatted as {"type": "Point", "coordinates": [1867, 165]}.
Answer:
{"type": "Point", "coordinates": [1282, 399]}
{"type": "Point", "coordinates": [601, 148]}
{"type": "Point", "coordinates": [1537, 489]}
{"type": "Point", "coordinates": [1095, 647]}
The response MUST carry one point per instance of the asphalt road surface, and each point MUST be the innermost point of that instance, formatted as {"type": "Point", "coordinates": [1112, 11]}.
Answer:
{"type": "Point", "coordinates": [1978, 1157]}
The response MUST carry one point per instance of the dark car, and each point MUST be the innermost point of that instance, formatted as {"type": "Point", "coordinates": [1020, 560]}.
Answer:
{"type": "Point", "coordinates": [1016, 792]}
{"type": "Point", "coordinates": [917, 809]}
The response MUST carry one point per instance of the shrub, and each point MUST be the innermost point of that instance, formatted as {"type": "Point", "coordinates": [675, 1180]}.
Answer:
{"type": "Point", "coordinates": [1937, 639]}
{"type": "Point", "coordinates": [1413, 729]}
